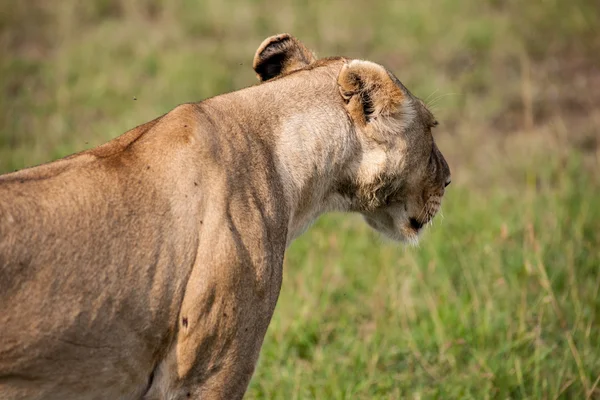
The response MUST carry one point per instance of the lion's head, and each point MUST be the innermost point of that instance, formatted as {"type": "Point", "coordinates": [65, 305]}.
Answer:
{"type": "Point", "coordinates": [397, 176]}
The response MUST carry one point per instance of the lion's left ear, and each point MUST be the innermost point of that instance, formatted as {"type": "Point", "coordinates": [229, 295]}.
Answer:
{"type": "Point", "coordinates": [280, 54]}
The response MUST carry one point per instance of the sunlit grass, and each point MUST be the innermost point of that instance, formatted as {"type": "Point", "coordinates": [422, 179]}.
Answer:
{"type": "Point", "coordinates": [498, 301]}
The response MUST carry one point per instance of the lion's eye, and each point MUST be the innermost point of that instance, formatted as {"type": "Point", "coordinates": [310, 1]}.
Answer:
{"type": "Point", "coordinates": [432, 159]}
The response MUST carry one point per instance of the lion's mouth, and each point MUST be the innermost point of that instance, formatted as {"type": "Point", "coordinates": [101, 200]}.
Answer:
{"type": "Point", "coordinates": [394, 223]}
{"type": "Point", "coordinates": [415, 224]}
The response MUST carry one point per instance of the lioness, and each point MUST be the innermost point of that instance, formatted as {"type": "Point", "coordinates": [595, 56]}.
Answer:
{"type": "Point", "coordinates": [149, 267]}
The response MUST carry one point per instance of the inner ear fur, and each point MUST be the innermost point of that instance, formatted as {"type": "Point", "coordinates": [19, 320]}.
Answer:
{"type": "Point", "coordinates": [280, 54]}
{"type": "Point", "coordinates": [368, 91]}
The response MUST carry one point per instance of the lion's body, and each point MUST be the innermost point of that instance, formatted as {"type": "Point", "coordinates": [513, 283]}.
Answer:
{"type": "Point", "coordinates": [150, 267]}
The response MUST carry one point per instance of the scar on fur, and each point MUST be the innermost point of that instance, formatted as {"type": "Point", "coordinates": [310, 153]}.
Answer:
{"type": "Point", "coordinates": [184, 322]}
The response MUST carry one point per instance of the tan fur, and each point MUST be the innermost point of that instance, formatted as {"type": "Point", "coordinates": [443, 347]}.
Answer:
{"type": "Point", "coordinates": [150, 267]}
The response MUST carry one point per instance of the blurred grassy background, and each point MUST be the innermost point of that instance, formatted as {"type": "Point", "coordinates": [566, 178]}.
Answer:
{"type": "Point", "coordinates": [501, 298]}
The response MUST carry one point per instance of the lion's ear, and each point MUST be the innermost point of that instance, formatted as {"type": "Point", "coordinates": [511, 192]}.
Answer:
{"type": "Point", "coordinates": [280, 54]}
{"type": "Point", "coordinates": [369, 91]}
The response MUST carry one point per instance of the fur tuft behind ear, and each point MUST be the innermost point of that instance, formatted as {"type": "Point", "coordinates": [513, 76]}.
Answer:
{"type": "Point", "coordinates": [280, 54]}
{"type": "Point", "coordinates": [369, 92]}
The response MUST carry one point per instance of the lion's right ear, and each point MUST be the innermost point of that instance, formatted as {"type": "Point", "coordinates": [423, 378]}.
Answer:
{"type": "Point", "coordinates": [280, 54]}
{"type": "Point", "coordinates": [371, 95]}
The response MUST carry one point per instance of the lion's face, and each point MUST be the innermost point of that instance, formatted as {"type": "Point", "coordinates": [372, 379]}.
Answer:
{"type": "Point", "coordinates": [400, 175]}
{"type": "Point", "coordinates": [396, 176]}
{"type": "Point", "coordinates": [411, 184]}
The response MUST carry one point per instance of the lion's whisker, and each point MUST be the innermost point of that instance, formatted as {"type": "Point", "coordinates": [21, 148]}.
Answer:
{"type": "Point", "coordinates": [433, 93]}
{"type": "Point", "coordinates": [434, 102]}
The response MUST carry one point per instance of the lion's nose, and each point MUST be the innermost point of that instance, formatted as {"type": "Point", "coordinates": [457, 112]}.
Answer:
{"type": "Point", "coordinates": [448, 181]}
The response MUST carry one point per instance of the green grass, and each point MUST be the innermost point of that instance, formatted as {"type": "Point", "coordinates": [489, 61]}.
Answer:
{"type": "Point", "coordinates": [501, 298]}
{"type": "Point", "coordinates": [499, 301]}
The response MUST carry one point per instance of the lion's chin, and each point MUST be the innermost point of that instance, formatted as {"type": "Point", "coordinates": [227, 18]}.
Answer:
{"type": "Point", "coordinates": [399, 228]}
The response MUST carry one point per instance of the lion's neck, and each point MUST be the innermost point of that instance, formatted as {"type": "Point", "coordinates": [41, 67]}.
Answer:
{"type": "Point", "coordinates": [313, 152]}
{"type": "Point", "coordinates": [312, 142]}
